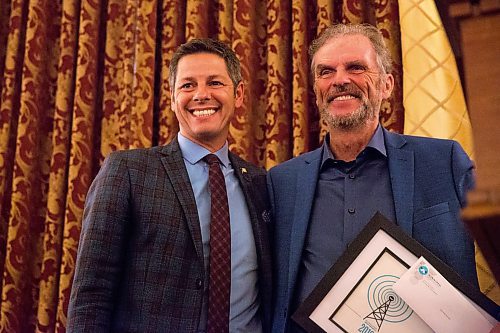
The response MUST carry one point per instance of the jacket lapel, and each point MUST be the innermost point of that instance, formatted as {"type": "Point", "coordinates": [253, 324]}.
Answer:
{"type": "Point", "coordinates": [242, 173]}
{"type": "Point", "coordinates": [307, 178]}
{"type": "Point", "coordinates": [255, 191]}
{"type": "Point", "coordinates": [256, 203]}
{"type": "Point", "coordinates": [245, 179]}
{"type": "Point", "coordinates": [401, 166]}
{"type": "Point", "coordinates": [177, 173]}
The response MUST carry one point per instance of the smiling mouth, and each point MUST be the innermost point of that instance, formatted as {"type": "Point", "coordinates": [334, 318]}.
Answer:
{"type": "Point", "coordinates": [203, 113]}
{"type": "Point", "coordinates": [341, 98]}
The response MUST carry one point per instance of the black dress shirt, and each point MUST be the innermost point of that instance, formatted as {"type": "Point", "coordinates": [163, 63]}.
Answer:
{"type": "Point", "coordinates": [347, 196]}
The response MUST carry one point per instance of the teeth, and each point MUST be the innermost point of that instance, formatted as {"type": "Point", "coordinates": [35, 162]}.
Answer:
{"type": "Point", "coordinates": [203, 113]}
{"type": "Point", "coordinates": [343, 98]}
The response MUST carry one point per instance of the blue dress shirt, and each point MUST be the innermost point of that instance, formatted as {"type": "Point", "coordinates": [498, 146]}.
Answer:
{"type": "Point", "coordinates": [244, 300]}
{"type": "Point", "coordinates": [347, 195]}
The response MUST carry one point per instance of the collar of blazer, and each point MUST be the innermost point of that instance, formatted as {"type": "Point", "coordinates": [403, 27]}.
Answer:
{"type": "Point", "coordinates": [176, 172]}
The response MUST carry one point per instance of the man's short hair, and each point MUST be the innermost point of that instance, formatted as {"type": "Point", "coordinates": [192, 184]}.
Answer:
{"type": "Point", "coordinates": [373, 34]}
{"type": "Point", "coordinates": [206, 45]}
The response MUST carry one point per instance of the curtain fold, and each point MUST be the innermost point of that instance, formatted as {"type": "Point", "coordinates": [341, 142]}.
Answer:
{"type": "Point", "coordinates": [433, 95]}
{"type": "Point", "coordinates": [32, 94]}
{"type": "Point", "coordinates": [171, 29]}
{"type": "Point", "coordinates": [277, 100]}
{"type": "Point", "coordinates": [51, 262]}
{"type": "Point", "coordinates": [304, 124]}
{"type": "Point", "coordinates": [83, 78]}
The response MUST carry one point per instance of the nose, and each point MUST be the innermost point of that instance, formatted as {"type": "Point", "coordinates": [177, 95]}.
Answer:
{"type": "Point", "coordinates": [202, 93]}
{"type": "Point", "coordinates": [341, 78]}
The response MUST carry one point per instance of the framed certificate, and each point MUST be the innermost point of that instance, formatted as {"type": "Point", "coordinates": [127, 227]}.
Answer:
{"type": "Point", "coordinates": [356, 294]}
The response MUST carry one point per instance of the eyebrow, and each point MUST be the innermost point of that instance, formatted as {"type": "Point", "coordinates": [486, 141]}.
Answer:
{"type": "Point", "coordinates": [356, 62]}
{"type": "Point", "coordinates": [320, 67]}
{"type": "Point", "coordinates": [210, 77]}
{"type": "Point", "coordinates": [348, 64]}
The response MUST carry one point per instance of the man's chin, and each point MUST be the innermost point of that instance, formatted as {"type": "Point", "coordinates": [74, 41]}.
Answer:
{"type": "Point", "coordinates": [348, 125]}
{"type": "Point", "coordinates": [345, 122]}
{"type": "Point", "coordinates": [210, 136]}
{"type": "Point", "coordinates": [351, 121]}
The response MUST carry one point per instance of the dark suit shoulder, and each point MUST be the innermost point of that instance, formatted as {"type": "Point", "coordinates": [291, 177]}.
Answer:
{"type": "Point", "coordinates": [421, 140]}
{"type": "Point", "coordinates": [433, 148]}
{"type": "Point", "coordinates": [137, 157]}
{"type": "Point", "coordinates": [297, 162]}
{"type": "Point", "coordinates": [417, 142]}
{"type": "Point", "coordinates": [135, 153]}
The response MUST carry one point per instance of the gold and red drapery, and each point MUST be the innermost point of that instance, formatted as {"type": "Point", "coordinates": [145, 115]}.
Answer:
{"type": "Point", "coordinates": [82, 78]}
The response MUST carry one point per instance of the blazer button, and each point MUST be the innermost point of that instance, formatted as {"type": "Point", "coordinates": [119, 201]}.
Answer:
{"type": "Point", "coordinates": [351, 210]}
{"type": "Point", "coordinates": [199, 283]}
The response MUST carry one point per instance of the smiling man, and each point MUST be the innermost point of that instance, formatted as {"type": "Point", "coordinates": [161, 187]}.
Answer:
{"type": "Point", "coordinates": [174, 238]}
{"type": "Point", "coordinates": [321, 200]}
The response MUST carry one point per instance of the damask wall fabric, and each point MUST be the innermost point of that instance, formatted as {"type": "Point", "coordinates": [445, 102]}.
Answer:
{"type": "Point", "coordinates": [82, 78]}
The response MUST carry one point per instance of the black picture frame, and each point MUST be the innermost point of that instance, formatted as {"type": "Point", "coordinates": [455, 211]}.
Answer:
{"type": "Point", "coordinates": [405, 251]}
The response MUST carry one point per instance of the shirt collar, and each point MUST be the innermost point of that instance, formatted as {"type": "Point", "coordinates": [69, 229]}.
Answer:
{"type": "Point", "coordinates": [376, 142]}
{"type": "Point", "coordinates": [193, 152]}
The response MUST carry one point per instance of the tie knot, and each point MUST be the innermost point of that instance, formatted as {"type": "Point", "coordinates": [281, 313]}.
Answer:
{"type": "Point", "coordinates": [211, 159]}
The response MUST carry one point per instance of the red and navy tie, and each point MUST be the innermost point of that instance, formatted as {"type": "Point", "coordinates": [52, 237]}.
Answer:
{"type": "Point", "coordinates": [220, 250]}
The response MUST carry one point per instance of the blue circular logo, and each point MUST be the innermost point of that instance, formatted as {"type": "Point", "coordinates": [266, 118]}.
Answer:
{"type": "Point", "coordinates": [423, 270]}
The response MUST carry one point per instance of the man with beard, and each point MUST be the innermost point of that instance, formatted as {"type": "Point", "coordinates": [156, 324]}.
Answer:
{"type": "Point", "coordinates": [321, 200]}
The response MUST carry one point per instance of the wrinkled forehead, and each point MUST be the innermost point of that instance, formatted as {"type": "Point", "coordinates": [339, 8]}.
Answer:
{"type": "Point", "coordinates": [345, 49]}
{"type": "Point", "coordinates": [201, 65]}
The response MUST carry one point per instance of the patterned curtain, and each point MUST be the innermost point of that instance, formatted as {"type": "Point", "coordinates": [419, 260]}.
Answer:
{"type": "Point", "coordinates": [82, 78]}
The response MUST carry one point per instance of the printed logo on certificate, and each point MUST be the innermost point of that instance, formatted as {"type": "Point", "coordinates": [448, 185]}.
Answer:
{"type": "Point", "coordinates": [373, 306]}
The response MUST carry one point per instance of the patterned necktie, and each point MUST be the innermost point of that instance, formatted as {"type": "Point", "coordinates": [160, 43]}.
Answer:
{"type": "Point", "coordinates": [220, 250]}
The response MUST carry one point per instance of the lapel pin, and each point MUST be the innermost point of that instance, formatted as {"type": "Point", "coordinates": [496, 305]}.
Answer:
{"type": "Point", "coordinates": [243, 170]}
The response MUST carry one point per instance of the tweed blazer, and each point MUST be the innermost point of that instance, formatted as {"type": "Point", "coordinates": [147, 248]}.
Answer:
{"type": "Point", "coordinates": [429, 180]}
{"type": "Point", "coordinates": [140, 262]}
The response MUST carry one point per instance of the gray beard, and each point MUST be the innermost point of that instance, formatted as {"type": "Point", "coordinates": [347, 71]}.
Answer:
{"type": "Point", "coordinates": [355, 120]}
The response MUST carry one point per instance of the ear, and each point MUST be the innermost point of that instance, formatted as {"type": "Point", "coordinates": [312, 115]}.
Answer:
{"type": "Point", "coordinates": [387, 86]}
{"type": "Point", "coordinates": [172, 99]}
{"type": "Point", "coordinates": [239, 94]}
{"type": "Point", "coordinates": [315, 90]}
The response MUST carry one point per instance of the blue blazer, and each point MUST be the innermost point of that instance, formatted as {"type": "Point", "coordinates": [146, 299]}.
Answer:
{"type": "Point", "coordinates": [429, 179]}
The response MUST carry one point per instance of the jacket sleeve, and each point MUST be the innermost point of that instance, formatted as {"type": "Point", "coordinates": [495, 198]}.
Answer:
{"type": "Point", "coordinates": [101, 249]}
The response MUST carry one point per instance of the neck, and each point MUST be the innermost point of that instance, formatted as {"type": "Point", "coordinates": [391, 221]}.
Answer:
{"type": "Point", "coordinates": [212, 144]}
{"type": "Point", "coordinates": [347, 144]}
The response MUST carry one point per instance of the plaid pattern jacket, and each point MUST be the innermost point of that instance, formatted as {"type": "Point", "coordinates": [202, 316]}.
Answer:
{"type": "Point", "coordinates": [140, 262]}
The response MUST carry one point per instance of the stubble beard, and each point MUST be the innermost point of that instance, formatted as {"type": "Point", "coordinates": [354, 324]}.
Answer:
{"type": "Point", "coordinates": [367, 111]}
{"type": "Point", "coordinates": [357, 119]}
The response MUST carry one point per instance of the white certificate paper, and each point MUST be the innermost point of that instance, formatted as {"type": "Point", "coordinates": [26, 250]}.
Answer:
{"type": "Point", "coordinates": [438, 303]}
